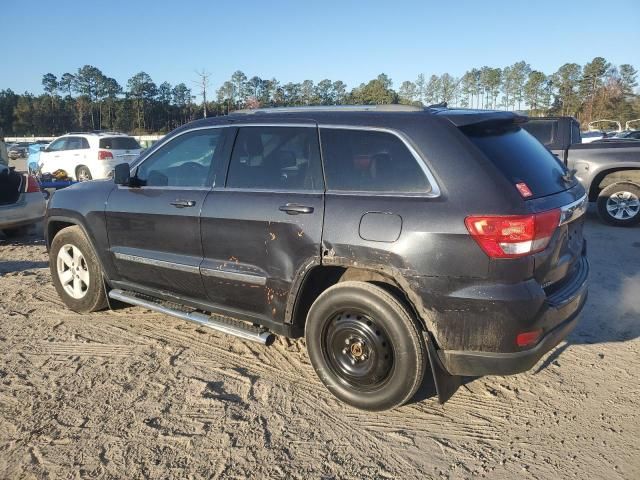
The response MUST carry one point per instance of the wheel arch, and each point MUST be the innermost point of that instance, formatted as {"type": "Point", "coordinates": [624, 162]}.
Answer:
{"type": "Point", "coordinates": [321, 277]}
{"type": "Point", "coordinates": [610, 176]}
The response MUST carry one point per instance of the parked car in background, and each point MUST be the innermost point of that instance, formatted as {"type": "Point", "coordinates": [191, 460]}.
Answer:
{"type": "Point", "coordinates": [87, 156]}
{"type": "Point", "coordinates": [608, 169]}
{"type": "Point", "coordinates": [18, 150]}
{"type": "Point", "coordinates": [629, 135]}
{"type": "Point", "coordinates": [392, 237]}
{"type": "Point", "coordinates": [21, 201]}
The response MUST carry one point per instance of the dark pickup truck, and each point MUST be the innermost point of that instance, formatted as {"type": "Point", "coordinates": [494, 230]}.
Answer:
{"type": "Point", "coordinates": [609, 171]}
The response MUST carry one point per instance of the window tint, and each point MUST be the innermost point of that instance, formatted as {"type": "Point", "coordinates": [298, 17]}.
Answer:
{"type": "Point", "coordinates": [370, 161]}
{"type": "Point", "coordinates": [183, 162]}
{"type": "Point", "coordinates": [521, 158]}
{"type": "Point", "coordinates": [276, 158]}
{"type": "Point", "coordinates": [544, 130]}
{"type": "Point", "coordinates": [57, 145]}
{"type": "Point", "coordinates": [119, 143]}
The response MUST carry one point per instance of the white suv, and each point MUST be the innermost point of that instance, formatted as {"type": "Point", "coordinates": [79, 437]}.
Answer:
{"type": "Point", "coordinates": [85, 156]}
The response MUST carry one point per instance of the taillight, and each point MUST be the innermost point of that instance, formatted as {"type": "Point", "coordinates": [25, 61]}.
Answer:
{"type": "Point", "coordinates": [103, 155]}
{"type": "Point", "coordinates": [513, 236]}
{"type": "Point", "coordinates": [32, 184]}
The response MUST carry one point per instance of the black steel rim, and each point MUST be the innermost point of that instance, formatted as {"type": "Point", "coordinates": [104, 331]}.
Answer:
{"type": "Point", "coordinates": [358, 350]}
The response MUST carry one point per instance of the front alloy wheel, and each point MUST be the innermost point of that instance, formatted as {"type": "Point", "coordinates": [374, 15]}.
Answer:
{"type": "Point", "coordinates": [76, 271]}
{"type": "Point", "coordinates": [73, 271]}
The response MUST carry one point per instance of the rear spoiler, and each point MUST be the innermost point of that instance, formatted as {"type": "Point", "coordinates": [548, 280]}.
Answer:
{"type": "Point", "coordinates": [465, 118]}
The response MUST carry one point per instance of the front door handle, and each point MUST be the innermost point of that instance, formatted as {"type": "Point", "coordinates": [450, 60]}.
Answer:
{"type": "Point", "coordinates": [295, 209]}
{"type": "Point", "coordinates": [184, 203]}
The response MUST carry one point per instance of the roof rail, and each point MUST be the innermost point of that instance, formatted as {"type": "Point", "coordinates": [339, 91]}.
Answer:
{"type": "Point", "coordinates": [332, 108]}
{"type": "Point", "coordinates": [96, 132]}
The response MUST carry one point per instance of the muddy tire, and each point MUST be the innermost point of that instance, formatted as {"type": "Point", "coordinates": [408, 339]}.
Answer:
{"type": "Point", "coordinates": [365, 346]}
{"type": "Point", "coordinates": [619, 204]}
{"type": "Point", "coordinates": [76, 271]}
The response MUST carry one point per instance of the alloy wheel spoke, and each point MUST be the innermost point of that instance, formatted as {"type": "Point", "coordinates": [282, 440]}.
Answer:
{"type": "Point", "coordinates": [84, 276]}
{"type": "Point", "coordinates": [66, 258]}
{"type": "Point", "coordinates": [66, 277]}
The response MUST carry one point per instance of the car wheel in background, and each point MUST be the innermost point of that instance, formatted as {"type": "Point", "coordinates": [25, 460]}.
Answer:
{"type": "Point", "coordinates": [365, 346]}
{"type": "Point", "coordinates": [83, 174]}
{"type": "Point", "coordinates": [76, 272]}
{"type": "Point", "coordinates": [619, 204]}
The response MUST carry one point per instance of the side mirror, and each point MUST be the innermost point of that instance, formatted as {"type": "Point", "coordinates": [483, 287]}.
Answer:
{"type": "Point", "coordinates": [43, 149]}
{"type": "Point", "coordinates": [122, 174]}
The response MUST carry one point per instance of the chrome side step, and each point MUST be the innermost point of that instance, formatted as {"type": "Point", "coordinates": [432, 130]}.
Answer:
{"type": "Point", "coordinates": [221, 324]}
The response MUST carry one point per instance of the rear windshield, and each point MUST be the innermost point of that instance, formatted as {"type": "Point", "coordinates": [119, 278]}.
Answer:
{"type": "Point", "coordinates": [521, 158]}
{"type": "Point", "coordinates": [119, 143]}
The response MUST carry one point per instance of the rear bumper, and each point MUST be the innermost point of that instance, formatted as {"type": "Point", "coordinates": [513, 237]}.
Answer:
{"type": "Point", "coordinates": [29, 209]}
{"type": "Point", "coordinates": [560, 316]}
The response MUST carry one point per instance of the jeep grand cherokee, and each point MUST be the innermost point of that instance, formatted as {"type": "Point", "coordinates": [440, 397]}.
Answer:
{"type": "Point", "coordinates": [393, 238]}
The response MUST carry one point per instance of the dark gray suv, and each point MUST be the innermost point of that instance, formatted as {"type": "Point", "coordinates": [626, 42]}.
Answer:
{"type": "Point", "coordinates": [393, 238]}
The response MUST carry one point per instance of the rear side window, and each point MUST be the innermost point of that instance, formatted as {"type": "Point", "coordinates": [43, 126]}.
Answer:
{"type": "Point", "coordinates": [545, 131]}
{"type": "Point", "coordinates": [119, 143]}
{"type": "Point", "coordinates": [521, 158]}
{"type": "Point", "coordinates": [276, 158]}
{"type": "Point", "coordinates": [370, 161]}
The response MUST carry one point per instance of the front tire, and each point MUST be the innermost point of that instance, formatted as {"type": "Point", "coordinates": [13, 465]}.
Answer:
{"type": "Point", "coordinates": [619, 204]}
{"type": "Point", "coordinates": [365, 346]}
{"type": "Point", "coordinates": [76, 272]}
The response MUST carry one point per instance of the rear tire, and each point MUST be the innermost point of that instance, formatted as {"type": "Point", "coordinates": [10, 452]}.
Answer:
{"type": "Point", "coordinates": [83, 174]}
{"type": "Point", "coordinates": [365, 346]}
{"type": "Point", "coordinates": [76, 272]}
{"type": "Point", "coordinates": [619, 204]}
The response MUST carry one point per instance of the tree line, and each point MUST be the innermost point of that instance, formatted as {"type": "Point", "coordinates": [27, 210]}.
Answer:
{"type": "Point", "coordinates": [90, 100]}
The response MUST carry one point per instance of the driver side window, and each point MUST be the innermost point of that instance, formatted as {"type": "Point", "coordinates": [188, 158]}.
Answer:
{"type": "Point", "coordinates": [185, 161]}
{"type": "Point", "coordinates": [57, 145]}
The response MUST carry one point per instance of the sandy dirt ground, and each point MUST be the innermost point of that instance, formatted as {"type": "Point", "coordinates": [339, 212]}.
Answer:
{"type": "Point", "coordinates": [135, 394]}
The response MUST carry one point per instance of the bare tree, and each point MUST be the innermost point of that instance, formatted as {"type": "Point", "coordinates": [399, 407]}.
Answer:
{"type": "Point", "coordinates": [203, 84]}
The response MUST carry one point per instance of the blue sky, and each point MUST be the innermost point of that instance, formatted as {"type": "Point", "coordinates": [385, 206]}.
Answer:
{"type": "Point", "coordinates": [295, 40]}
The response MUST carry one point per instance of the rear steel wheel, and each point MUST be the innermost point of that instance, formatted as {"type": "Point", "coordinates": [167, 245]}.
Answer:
{"type": "Point", "coordinates": [358, 350]}
{"type": "Point", "coordinates": [365, 346]}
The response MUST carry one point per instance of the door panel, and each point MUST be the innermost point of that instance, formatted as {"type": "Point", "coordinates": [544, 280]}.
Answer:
{"type": "Point", "coordinates": [154, 227]}
{"type": "Point", "coordinates": [265, 228]}
{"type": "Point", "coordinates": [154, 243]}
{"type": "Point", "coordinates": [253, 251]}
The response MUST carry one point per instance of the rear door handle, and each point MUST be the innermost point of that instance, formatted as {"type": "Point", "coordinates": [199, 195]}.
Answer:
{"type": "Point", "coordinates": [184, 203]}
{"type": "Point", "coordinates": [295, 209]}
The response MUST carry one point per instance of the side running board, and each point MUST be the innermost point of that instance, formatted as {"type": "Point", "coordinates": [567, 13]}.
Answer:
{"type": "Point", "coordinates": [221, 324]}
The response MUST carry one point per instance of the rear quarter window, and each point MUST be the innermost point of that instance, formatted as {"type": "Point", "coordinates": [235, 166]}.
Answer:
{"type": "Point", "coordinates": [370, 161]}
{"type": "Point", "coordinates": [119, 143]}
{"type": "Point", "coordinates": [521, 158]}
